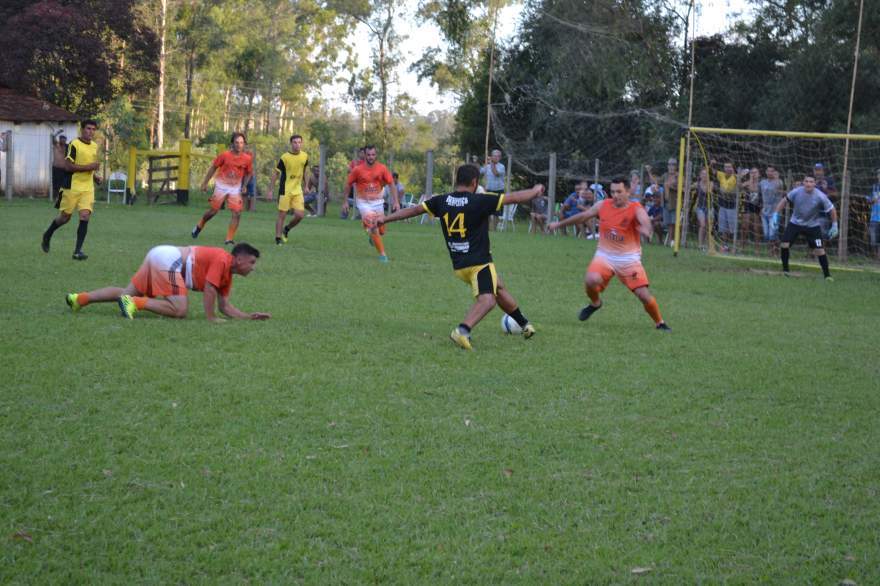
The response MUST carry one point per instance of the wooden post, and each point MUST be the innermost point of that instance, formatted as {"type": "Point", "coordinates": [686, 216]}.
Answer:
{"type": "Point", "coordinates": [10, 165]}
{"type": "Point", "coordinates": [596, 171]}
{"type": "Point", "coordinates": [132, 175]}
{"type": "Point", "coordinates": [183, 172]}
{"type": "Point", "coordinates": [843, 220]}
{"type": "Point", "coordinates": [678, 202]}
{"type": "Point", "coordinates": [322, 179]}
{"type": "Point", "coordinates": [507, 174]}
{"type": "Point", "coordinates": [551, 188]}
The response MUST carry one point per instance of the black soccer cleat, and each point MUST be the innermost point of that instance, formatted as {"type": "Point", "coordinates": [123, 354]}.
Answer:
{"type": "Point", "coordinates": [229, 242]}
{"type": "Point", "coordinates": [587, 311]}
{"type": "Point", "coordinates": [80, 255]}
{"type": "Point", "coordinates": [44, 245]}
{"type": "Point", "coordinates": [663, 327]}
{"type": "Point", "coordinates": [195, 231]}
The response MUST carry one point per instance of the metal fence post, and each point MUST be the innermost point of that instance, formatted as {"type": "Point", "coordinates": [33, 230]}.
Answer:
{"type": "Point", "coordinates": [551, 188]}
{"type": "Point", "coordinates": [429, 173]}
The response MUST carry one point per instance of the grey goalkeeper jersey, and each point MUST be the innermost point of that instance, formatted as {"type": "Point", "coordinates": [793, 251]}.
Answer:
{"type": "Point", "coordinates": [807, 208]}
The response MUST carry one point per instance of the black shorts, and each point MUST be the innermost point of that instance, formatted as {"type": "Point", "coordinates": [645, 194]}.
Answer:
{"type": "Point", "coordinates": [813, 235]}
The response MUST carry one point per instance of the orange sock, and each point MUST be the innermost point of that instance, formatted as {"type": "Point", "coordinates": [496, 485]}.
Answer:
{"type": "Point", "coordinates": [82, 299]}
{"type": "Point", "coordinates": [140, 302]}
{"type": "Point", "coordinates": [594, 295]}
{"type": "Point", "coordinates": [230, 232]}
{"type": "Point", "coordinates": [201, 223]}
{"type": "Point", "coordinates": [653, 310]}
{"type": "Point", "coordinates": [377, 242]}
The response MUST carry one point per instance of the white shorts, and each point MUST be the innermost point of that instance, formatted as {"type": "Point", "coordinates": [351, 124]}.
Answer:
{"type": "Point", "coordinates": [223, 189]}
{"type": "Point", "coordinates": [370, 206]}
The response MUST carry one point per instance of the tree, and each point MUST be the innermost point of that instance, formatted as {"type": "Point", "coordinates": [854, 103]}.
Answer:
{"type": "Point", "coordinates": [79, 57]}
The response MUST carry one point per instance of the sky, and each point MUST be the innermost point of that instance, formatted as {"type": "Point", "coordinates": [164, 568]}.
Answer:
{"type": "Point", "coordinates": [713, 16]}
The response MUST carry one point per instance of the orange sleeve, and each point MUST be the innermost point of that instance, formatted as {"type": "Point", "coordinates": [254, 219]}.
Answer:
{"type": "Point", "coordinates": [218, 160]}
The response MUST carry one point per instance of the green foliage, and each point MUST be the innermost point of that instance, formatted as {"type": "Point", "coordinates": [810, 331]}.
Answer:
{"type": "Point", "coordinates": [347, 441]}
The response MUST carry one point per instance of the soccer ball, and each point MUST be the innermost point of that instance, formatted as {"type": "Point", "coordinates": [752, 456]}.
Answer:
{"type": "Point", "coordinates": [509, 325]}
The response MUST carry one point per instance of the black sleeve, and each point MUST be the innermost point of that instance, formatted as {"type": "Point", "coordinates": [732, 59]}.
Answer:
{"type": "Point", "coordinates": [434, 205]}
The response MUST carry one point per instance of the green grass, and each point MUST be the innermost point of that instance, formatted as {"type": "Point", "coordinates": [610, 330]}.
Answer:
{"type": "Point", "coordinates": [347, 440]}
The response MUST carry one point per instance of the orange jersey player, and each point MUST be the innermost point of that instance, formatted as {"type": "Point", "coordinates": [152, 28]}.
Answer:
{"type": "Point", "coordinates": [621, 222]}
{"type": "Point", "coordinates": [369, 180]}
{"type": "Point", "coordinates": [233, 170]}
{"type": "Point", "coordinates": [169, 272]}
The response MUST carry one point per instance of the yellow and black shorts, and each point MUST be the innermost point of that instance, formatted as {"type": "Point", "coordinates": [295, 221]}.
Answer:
{"type": "Point", "coordinates": [482, 278]}
{"type": "Point", "coordinates": [294, 201]}
{"type": "Point", "coordinates": [71, 200]}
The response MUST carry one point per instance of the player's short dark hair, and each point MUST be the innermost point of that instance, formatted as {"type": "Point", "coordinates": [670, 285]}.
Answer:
{"type": "Point", "coordinates": [88, 122]}
{"type": "Point", "coordinates": [395, 175]}
{"type": "Point", "coordinates": [369, 147]}
{"type": "Point", "coordinates": [810, 175]}
{"type": "Point", "coordinates": [621, 179]}
{"type": "Point", "coordinates": [292, 136]}
{"type": "Point", "coordinates": [466, 173]}
{"type": "Point", "coordinates": [245, 248]}
{"type": "Point", "coordinates": [236, 135]}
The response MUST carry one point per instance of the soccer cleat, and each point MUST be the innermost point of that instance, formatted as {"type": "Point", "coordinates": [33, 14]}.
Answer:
{"type": "Point", "coordinates": [829, 279]}
{"type": "Point", "coordinates": [528, 331]}
{"type": "Point", "coordinates": [71, 302]}
{"type": "Point", "coordinates": [461, 340]}
{"type": "Point", "coordinates": [45, 245]}
{"type": "Point", "coordinates": [228, 242]}
{"type": "Point", "coordinates": [383, 258]}
{"type": "Point", "coordinates": [79, 255]}
{"type": "Point", "coordinates": [786, 274]}
{"type": "Point", "coordinates": [279, 241]}
{"type": "Point", "coordinates": [195, 231]}
{"type": "Point", "coordinates": [663, 327]}
{"type": "Point", "coordinates": [587, 311]}
{"type": "Point", "coordinates": [286, 233]}
{"type": "Point", "coordinates": [127, 307]}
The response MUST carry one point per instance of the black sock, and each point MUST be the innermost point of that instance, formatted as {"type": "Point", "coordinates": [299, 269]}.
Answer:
{"type": "Point", "coordinates": [51, 230]}
{"type": "Point", "coordinates": [823, 262]}
{"type": "Point", "coordinates": [519, 317]}
{"type": "Point", "coordinates": [464, 329]}
{"type": "Point", "coordinates": [81, 234]}
{"type": "Point", "coordinates": [784, 252]}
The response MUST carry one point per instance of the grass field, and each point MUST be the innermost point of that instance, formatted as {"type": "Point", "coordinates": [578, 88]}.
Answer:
{"type": "Point", "coordinates": [347, 440]}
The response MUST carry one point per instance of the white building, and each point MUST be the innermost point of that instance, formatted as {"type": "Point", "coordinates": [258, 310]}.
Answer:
{"type": "Point", "coordinates": [31, 122]}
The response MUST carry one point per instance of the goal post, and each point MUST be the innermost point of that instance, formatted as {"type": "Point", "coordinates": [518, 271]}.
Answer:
{"type": "Point", "coordinates": [726, 193]}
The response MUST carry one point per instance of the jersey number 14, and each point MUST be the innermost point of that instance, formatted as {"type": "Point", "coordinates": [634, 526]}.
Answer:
{"type": "Point", "coordinates": [456, 226]}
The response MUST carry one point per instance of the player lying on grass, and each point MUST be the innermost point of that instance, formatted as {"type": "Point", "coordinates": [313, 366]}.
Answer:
{"type": "Point", "coordinates": [168, 272]}
{"type": "Point", "coordinates": [464, 218]}
{"type": "Point", "coordinates": [621, 221]}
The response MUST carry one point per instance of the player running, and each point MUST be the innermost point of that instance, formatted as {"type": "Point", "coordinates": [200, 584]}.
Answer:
{"type": "Point", "coordinates": [78, 187]}
{"type": "Point", "coordinates": [621, 222]}
{"type": "Point", "coordinates": [234, 169]}
{"type": "Point", "coordinates": [465, 223]}
{"type": "Point", "coordinates": [808, 205]}
{"type": "Point", "coordinates": [295, 181]}
{"type": "Point", "coordinates": [369, 180]}
{"type": "Point", "coordinates": [168, 272]}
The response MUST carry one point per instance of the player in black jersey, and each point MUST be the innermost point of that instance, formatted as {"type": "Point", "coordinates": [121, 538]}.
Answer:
{"type": "Point", "coordinates": [464, 217]}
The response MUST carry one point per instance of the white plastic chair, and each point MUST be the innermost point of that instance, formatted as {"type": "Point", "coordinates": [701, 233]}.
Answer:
{"type": "Point", "coordinates": [113, 182]}
{"type": "Point", "coordinates": [508, 213]}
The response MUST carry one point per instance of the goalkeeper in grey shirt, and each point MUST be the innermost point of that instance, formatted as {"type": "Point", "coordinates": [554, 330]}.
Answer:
{"type": "Point", "coordinates": [808, 205]}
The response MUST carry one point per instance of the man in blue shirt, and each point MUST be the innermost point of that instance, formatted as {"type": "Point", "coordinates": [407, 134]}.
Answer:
{"type": "Point", "coordinates": [874, 222]}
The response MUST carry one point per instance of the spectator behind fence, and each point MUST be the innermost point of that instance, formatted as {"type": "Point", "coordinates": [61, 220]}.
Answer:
{"type": "Point", "coordinates": [538, 215]}
{"type": "Point", "coordinates": [670, 195]}
{"type": "Point", "coordinates": [728, 185]}
{"type": "Point", "coordinates": [751, 208]}
{"type": "Point", "coordinates": [771, 189]}
{"type": "Point", "coordinates": [826, 184]}
{"type": "Point", "coordinates": [655, 214]}
{"type": "Point", "coordinates": [387, 190]}
{"type": "Point", "coordinates": [874, 223]}
{"type": "Point", "coordinates": [569, 205]}
{"type": "Point", "coordinates": [586, 199]}
{"type": "Point", "coordinates": [702, 190]}
{"type": "Point", "coordinates": [494, 172]}
{"type": "Point", "coordinates": [635, 186]}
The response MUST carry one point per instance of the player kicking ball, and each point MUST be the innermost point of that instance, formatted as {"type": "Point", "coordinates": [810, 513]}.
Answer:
{"type": "Point", "coordinates": [464, 218]}
{"type": "Point", "coordinates": [168, 272]}
{"type": "Point", "coordinates": [621, 222]}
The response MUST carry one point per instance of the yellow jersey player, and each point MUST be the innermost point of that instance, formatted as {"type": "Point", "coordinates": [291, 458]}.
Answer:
{"type": "Point", "coordinates": [464, 216]}
{"type": "Point", "coordinates": [291, 167]}
{"type": "Point", "coordinates": [78, 187]}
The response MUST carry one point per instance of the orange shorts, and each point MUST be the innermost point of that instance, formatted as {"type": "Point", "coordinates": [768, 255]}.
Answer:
{"type": "Point", "coordinates": [161, 273]}
{"type": "Point", "coordinates": [233, 201]}
{"type": "Point", "coordinates": [631, 273]}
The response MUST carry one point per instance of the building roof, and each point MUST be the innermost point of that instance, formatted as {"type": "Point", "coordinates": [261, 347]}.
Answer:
{"type": "Point", "coordinates": [20, 108]}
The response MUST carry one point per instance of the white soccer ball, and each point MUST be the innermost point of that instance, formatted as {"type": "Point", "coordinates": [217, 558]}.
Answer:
{"type": "Point", "coordinates": [509, 325]}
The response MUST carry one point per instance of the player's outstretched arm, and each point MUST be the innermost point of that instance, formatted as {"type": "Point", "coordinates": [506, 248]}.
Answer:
{"type": "Point", "coordinates": [524, 195]}
{"type": "Point", "coordinates": [401, 215]}
{"type": "Point", "coordinates": [577, 218]}
{"type": "Point", "coordinates": [646, 229]}
{"type": "Point", "coordinates": [211, 170]}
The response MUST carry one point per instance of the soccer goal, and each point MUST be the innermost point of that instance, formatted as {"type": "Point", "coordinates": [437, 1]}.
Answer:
{"type": "Point", "coordinates": [732, 179]}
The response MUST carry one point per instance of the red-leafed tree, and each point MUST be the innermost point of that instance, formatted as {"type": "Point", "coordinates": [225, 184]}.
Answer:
{"type": "Point", "coordinates": [77, 54]}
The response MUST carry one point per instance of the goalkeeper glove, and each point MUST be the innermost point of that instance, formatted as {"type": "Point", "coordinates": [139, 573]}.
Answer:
{"type": "Point", "coordinates": [774, 222]}
{"type": "Point", "coordinates": [832, 233]}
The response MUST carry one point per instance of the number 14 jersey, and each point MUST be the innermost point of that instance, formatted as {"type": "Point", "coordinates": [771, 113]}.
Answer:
{"type": "Point", "coordinates": [464, 218]}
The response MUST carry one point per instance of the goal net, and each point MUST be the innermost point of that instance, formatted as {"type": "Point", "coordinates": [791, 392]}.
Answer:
{"type": "Point", "coordinates": [732, 180]}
